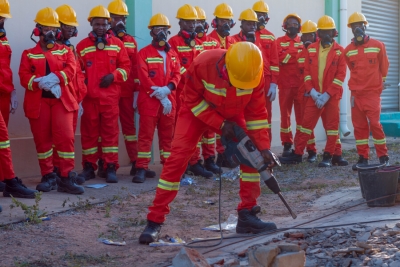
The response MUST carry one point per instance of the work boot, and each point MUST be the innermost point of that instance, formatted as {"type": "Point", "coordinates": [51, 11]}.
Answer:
{"type": "Point", "coordinates": [326, 160]}
{"type": "Point", "coordinates": [362, 162]}
{"type": "Point", "coordinates": [48, 183]}
{"type": "Point", "coordinates": [111, 173]}
{"type": "Point", "coordinates": [248, 222]}
{"type": "Point", "coordinates": [56, 170]}
{"type": "Point", "coordinates": [210, 165]}
{"type": "Point", "coordinates": [384, 159]}
{"type": "Point", "coordinates": [287, 149]}
{"type": "Point", "coordinates": [101, 171]}
{"type": "Point", "coordinates": [339, 160]}
{"type": "Point", "coordinates": [133, 169]}
{"type": "Point", "coordinates": [292, 158]}
{"type": "Point", "coordinates": [220, 161]}
{"type": "Point", "coordinates": [140, 176]}
{"type": "Point", "coordinates": [149, 173]}
{"type": "Point", "coordinates": [2, 185]}
{"type": "Point", "coordinates": [68, 185]}
{"type": "Point", "coordinates": [87, 173]}
{"type": "Point", "coordinates": [198, 170]}
{"type": "Point", "coordinates": [150, 233]}
{"type": "Point", "coordinates": [312, 156]}
{"type": "Point", "coordinates": [14, 187]}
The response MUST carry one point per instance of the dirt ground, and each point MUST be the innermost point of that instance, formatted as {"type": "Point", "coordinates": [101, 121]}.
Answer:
{"type": "Point", "coordinates": [71, 238]}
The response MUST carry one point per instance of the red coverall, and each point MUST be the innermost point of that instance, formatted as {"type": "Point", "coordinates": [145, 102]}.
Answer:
{"type": "Point", "coordinates": [265, 40]}
{"type": "Point", "coordinates": [228, 39]}
{"type": "Point", "coordinates": [208, 101]}
{"type": "Point", "coordinates": [151, 73]}
{"type": "Point", "coordinates": [334, 75]}
{"type": "Point", "coordinates": [51, 119]}
{"type": "Point", "coordinates": [101, 111]}
{"type": "Point", "coordinates": [79, 93]}
{"type": "Point", "coordinates": [126, 110]}
{"type": "Point", "coordinates": [6, 79]}
{"type": "Point", "coordinates": [208, 138]}
{"type": "Point", "coordinates": [6, 166]}
{"type": "Point", "coordinates": [368, 64]}
{"type": "Point", "coordinates": [288, 84]}
{"type": "Point", "coordinates": [186, 55]}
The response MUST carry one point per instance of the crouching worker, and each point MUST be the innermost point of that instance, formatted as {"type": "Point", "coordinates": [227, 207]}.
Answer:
{"type": "Point", "coordinates": [223, 88]}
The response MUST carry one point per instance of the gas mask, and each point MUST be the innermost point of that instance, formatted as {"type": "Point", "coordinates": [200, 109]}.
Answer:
{"type": "Point", "coordinates": [262, 22]}
{"type": "Point", "coordinates": [292, 30]}
{"type": "Point", "coordinates": [2, 30]}
{"type": "Point", "coordinates": [160, 41]}
{"type": "Point", "coordinates": [359, 35]}
{"type": "Point", "coordinates": [120, 29]}
{"type": "Point", "coordinates": [226, 30]}
{"type": "Point", "coordinates": [326, 40]}
{"type": "Point", "coordinates": [161, 38]}
{"type": "Point", "coordinates": [306, 43]}
{"type": "Point", "coordinates": [50, 39]}
{"type": "Point", "coordinates": [200, 30]}
{"type": "Point", "coordinates": [249, 37]}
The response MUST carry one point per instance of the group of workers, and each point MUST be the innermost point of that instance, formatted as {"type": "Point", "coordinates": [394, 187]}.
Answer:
{"type": "Point", "coordinates": [194, 88]}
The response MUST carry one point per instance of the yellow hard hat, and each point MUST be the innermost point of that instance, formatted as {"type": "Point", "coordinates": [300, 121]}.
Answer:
{"type": "Point", "coordinates": [118, 7]}
{"type": "Point", "coordinates": [201, 14]}
{"type": "Point", "coordinates": [309, 27]}
{"type": "Point", "coordinates": [261, 6]}
{"type": "Point", "coordinates": [47, 17]}
{"type": "Point", "coordinates": [244, 64]}
{"type": "Point", "coordinates": [249, 15]}
{"type": "Point", "coordinates": [186, 12]}
{"type": "Point", "coordinates": [356, 17]}
{"type": "Point", "coordinates": [5, 9]}
{"type": "Point", "coordinates": [67, 15]}
{"type": "Point", "coordinates": [159, 20]}
{"type": "Point", "coordinates": [99, 12]}
{"type": "Point", "coordinates": [223, 11]}
{"type": "Point", "coordinates": [326, 23]}
{"type": "Point", "coordinates": [292, 15]}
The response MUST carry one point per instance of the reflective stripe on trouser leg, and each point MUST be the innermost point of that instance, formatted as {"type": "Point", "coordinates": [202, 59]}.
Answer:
{"type": "Point", "coordinates": [188, 131]}
{"type": "Point", "coordinates": [249, 187]}
{"type": "Point", "coordinates": [330, 121]}
{"type": "Point", "coordinates": [166, 127]}
{"type": "Point", "coordinates": [147, 125]}
{"type": "Point", "coordinates": [109, 131]}
{"type": "Point", "coordinates": [309, 121]}
{"type": "Point", "coordinates": [361, 127]}
{"type": "Point", "coordinates": [6, 166]}
{"type": "Point", "coordinates": [311, 142]}
{"type": "Point", "coordinates": [208, 144]}
{"type": "Point", "coordinates": [90, 131]}
{"type": "Point", "coordinates": [126, 117]}
{"type": "Point", "coordinates": [288, 99]}
{"type": "Point", "coordinates": [371, 105]}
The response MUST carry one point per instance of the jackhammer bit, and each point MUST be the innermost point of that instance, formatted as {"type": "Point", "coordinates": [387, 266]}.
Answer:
{"type": "Point", "coordinates": [245, 152]}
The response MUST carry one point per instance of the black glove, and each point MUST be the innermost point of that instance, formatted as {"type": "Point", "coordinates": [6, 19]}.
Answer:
{"type": "Point", "coordinates": [106, 81]}
{"type": "Point", "coordinates": [269, 158]}
{"type": "Point", "coordinates": [227, 130]}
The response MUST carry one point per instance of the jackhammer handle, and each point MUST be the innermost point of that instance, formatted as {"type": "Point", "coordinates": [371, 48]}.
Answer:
{"type": "Point", "coordinates": [294, 215]}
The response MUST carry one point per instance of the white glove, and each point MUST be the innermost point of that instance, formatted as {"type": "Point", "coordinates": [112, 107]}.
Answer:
{"type": "Point", "coordinates": [13, 102]}
{"type": "Point", "coordinates": [160, 92]}
{"type": "Point", "coordinates": [47, 82]}
{"type": "Point", "coordinates": [322, 99]}
{"type": "Point", "coordinates": [314, 94]}
{"type": "Point", "coordinates": [167, 106]}
{"type": "Point", "coordinates": [272, 92]}
{"type": "Point", "coordinates": [135, 98]}
{"type": "Point", "coordinates": [80, 110]}
{"type": "Point", "coordinates": [56, 90]}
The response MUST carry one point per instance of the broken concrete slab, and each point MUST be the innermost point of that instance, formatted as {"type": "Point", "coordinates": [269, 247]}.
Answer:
{"type": "Point", "coordinates": [292, 259]}
{"type": "Point", "coordinates": [188, 257]}
{"type": "Point", "coordinates": [263, 255]}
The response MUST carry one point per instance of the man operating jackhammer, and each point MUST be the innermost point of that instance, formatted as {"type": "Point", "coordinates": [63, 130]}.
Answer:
{"type": "Point", "coordinates": [224, 88]}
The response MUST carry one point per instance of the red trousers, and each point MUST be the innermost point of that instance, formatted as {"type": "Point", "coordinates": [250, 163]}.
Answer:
{"type": "Point", "coordinates": [6, 166]}
{"type": "Point", "coordinates": [5, 106]}
{"type": "Point", "coordinates": [127, 119]}
{"type": "Point", "coordinates": [287, 99]}
{"type": "Point", "coordinates": [99, 121]}
{"type": "Point", "coordinates": [54, 126]}
{"type": "Point", "coordinates": [147, 126]}
{"type": "Point", "coordinates": [367, 108]}
{"type": "Point", "coordinates": [189, 130]}
{"type": "Point", "coordinates": [311, 142]}
{"type": "Point", "coordinates": [330, 120]}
